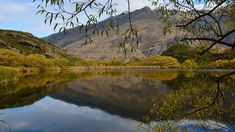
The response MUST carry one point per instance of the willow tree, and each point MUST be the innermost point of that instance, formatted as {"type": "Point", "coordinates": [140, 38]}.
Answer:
{"type": "Point", "coordinates": [203, 21]}
{"type": "Point", "coordinates": [210, 22]}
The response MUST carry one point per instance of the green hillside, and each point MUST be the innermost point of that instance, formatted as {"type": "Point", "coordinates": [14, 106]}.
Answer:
{"type": "Point", "coordinates": [22, 54]}
{"type": "Point", "coordinates": [26, 43]}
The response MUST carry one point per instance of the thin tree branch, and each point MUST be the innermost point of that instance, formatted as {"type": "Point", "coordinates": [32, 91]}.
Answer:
{"type": "Point", "coordinates": [203, 15]}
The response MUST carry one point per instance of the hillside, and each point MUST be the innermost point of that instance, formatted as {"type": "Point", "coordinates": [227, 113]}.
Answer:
{"type": "Point", "coordinates": [21, 53]}
{"type": "Point", "coordinates": [152, 39]}
{"type": "Point", "coordinates": [25, 43]}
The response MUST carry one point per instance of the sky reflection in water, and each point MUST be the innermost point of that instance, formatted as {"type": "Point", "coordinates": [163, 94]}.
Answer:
{"type": "Point", "coordinates": [103, 101]}
{"type": "Point", "coordinates": [53, 115]}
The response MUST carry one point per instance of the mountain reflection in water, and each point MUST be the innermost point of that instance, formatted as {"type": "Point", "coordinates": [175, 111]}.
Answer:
{"type": "Point", "coordinates": [114, 101]}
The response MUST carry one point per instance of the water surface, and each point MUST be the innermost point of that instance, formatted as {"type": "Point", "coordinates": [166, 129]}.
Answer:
{"type": "Point", "coordinates": [117, 101]}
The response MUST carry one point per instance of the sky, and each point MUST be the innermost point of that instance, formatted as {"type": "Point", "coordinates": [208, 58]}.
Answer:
{"type": "Point", "coordinates": [21, 15]}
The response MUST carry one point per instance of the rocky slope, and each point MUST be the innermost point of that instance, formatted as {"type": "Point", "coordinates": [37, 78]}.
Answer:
{"type": "Point", "coordinates": [26, 43]}
{"type": "Point", "coordinates": [152, 39]}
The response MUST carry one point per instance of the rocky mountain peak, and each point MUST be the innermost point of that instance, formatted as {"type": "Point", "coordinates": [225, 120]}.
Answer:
{"type": "Point", "coordinates": [152, 39]}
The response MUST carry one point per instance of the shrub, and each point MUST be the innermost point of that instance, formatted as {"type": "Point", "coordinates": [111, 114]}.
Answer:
{"type": "Point", "coordinates": [111, 63]}
{"type": "Point", "coordinates": [11, 58]}
{"type": "Point", "coordinates": [14, 59]}
{"type": "Point", "coordinates": [181, 52]}
{"type": "Point", "coordinates": [7, 74]}
{"type": "Point", "coordinates": [222, 64]}
{"type": "Point", "coordinates": [60, 62]}
{"type": "Point", "coordinates": [189, 64]}
{"type": "Point", "coordinates": [83, 62]}
{"type": "Point", "coordinates": [160, 61]}
{"type": "Point", "coordinates": [36, 60]}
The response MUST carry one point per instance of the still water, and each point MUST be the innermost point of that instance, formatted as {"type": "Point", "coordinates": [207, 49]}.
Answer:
{"type": "Point", "coordinates": [118, 101]}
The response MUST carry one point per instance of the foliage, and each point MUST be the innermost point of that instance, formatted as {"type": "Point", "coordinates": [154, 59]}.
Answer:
{"type": "Point", "coordinates": [97, 63]}
{"type": "Point", "coordinates": [182, 52]}
{"type": "Point", "coordinates": [159, 61]}
{"type": "Point", "coordinates": [7, 74]}
{"type": "Point", "coordinates": [162, 75]}
{"type": "Point", "coordinates": [14, 59]}
{"type": "Point", "coordinates": [222, 64]}
{"type": "Point", "coordinates": [197, 24]}
{"type": "Point", "coordinates": [198, 92]}
{"type": "Point", "coordinates": [110, 63]}
{"type": "Point", "coordinates": [27, 90]}
{"type": "Point", "coordinates": [203, 26]}
{"type": "Point", "coordinates": [63, 18]}
{"type": "Point", "coordinates": [189, 64]}
{"type": "Point", "coordinates": [26, 43]}
{"type": "Point", "coordinates": [11, 58]}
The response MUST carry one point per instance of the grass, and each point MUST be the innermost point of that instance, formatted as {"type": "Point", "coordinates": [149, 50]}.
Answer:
{"type": "Point", "coordinates": [7, 74]}
{"type": "Point", "coordinates": [14, 64]}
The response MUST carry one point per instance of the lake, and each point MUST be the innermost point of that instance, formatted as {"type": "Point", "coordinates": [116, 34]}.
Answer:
{"type": "Point", "coordinates": [118, 101]}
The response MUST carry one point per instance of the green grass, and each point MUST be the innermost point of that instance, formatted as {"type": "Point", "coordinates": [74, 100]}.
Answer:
{"type": "Point", "coordinates": [7, 74]}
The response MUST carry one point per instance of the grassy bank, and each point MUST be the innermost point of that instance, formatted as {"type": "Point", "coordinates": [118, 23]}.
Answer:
{"type": "Point", "coordinates": [14, 64]}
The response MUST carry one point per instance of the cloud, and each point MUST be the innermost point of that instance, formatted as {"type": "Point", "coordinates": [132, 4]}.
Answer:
{"type": "Point", "coordinates": [135, 4]}
{"type": "Point", "coordinates": [21, 15]}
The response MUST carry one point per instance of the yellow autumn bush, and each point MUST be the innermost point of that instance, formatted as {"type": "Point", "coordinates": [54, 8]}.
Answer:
{"type": "Point", "coordinates": [189, 64]}
{"type": "Point", "coordinates": [222, 64]}
{"type": "Point", "coordinates": [159, 61]}
{"type": "Point", "coordinates": [7, 73]}
{"type": "Point", "coordinates": [11, 58]}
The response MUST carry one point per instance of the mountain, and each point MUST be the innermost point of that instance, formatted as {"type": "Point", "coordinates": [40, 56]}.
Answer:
{"type": "Point", "coordinates": [26, 43]}
{"type": "Point", "coordinates": [148, 22]}
{"type": "Point", "coordinates": [107, 93]}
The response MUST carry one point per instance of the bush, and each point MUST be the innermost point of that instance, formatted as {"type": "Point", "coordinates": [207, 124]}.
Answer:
{"type": "Point", "coordinates": [181, 52]}
{"type": "Point", "coordinates": [11, 58]}
{"type": "Point", "coordinates": [160, 61]}
{"type": "Point", "coordinates": [222, 64]}
{"type": "Point", "coordinates": [189, 64]}
{"type": "Point", "coordinates": [83, 62]}
{"type": "Point", "coordinates": [111, 63]}
{"type": "Point", "coordinates": [7, 74]}
{"type": "Point", "coordinates": [40, 61]}
{"type": "Point", "coordinates": [61, 62]}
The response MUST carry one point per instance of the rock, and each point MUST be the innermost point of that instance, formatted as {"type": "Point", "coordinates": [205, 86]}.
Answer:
{"type": "Point", "coordinates": [150, 33]}
{"type": "Point", "coordinates": [2, 42]}
{"type": "Point", "coordinates": [28, 43]}
{"type": "Point", "coordinates": [14, 49]}
{"type": "Point", "coordinates": [50, 55]}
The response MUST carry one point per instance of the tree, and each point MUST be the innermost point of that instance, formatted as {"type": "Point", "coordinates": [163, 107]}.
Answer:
{"type": "Point", "coordinates": [211, 24]}
{"type": "Point", "coordinates": [56, 13]}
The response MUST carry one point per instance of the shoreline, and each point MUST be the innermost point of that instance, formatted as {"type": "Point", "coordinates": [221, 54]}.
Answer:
{"type": "Point", "coordinates": [155, 68]}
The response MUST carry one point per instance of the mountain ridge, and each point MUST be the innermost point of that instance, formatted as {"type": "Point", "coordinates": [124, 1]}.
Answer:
{"type": "Point", "coordinates": [25, 43]}
{"type": "Point", "coordinates": [152, 39]}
